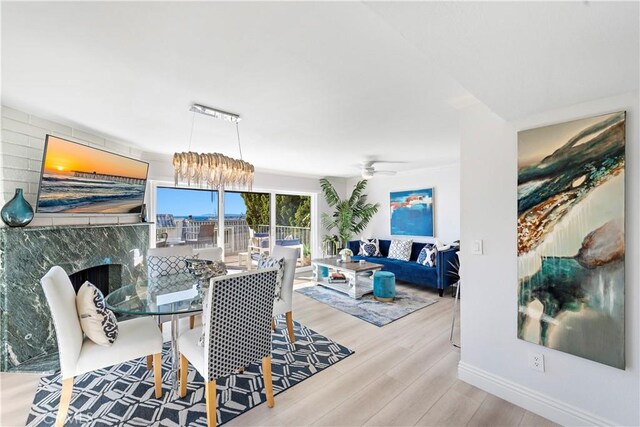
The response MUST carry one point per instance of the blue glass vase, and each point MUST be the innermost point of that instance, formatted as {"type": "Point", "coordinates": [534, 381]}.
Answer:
{"type": "Point", "coordinates": [17, 212]}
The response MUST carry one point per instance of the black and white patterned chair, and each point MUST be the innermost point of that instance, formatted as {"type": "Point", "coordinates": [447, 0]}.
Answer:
{"type": "Point", "coordinates": [238, 333]}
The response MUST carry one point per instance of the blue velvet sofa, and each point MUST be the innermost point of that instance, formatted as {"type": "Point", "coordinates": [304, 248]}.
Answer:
{"type": "Point", "coordinates": [440, 277]}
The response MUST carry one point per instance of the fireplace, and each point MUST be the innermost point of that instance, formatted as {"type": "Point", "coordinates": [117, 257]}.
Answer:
{"type": "Point", "coordinates": [104, 277]}
{"type": "Point", "coordinates": [103, 254]}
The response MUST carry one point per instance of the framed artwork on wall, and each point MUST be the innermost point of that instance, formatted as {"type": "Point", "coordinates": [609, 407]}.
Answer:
{"type": "Point", "coordinates": [571, 239]}
{"type": "Point", "coordinates": [412, 212]}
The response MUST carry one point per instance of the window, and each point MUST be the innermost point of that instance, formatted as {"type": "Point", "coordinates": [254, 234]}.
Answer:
{"type": "Point", "coordinates": [293, 224]}
{"type": "Point", "coordinates": [186, 217]}
{"type": "Point", "coordinates": [247, 226]}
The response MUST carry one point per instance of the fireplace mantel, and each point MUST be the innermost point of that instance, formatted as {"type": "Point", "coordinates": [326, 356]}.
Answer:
{"type": "Point", "coordinates": [27, 335]}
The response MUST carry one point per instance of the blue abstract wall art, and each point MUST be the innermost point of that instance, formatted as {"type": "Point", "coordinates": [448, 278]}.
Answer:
{"type": "Point", "coordinates": [412, 212]}
{"type": "Point", "coordinates": [571, 238]}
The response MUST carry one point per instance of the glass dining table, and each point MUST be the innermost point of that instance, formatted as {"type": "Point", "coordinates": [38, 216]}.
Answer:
{"type": "Point", "coordinates": [174, 295]}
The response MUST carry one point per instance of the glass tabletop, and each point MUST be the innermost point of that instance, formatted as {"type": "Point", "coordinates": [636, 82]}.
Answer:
{"type": "Point", "coordinates": [170, 294]}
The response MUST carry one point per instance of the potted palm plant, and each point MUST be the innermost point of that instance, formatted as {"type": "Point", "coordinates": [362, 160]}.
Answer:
{"type": "Point", "coordinates": [351, 215]}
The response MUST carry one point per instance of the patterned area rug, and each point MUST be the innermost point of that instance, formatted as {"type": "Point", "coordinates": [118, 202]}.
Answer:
{"type": "Point", "coordinates": [123, 394]}
{"type": "Point", "coordinates": [367, 308]}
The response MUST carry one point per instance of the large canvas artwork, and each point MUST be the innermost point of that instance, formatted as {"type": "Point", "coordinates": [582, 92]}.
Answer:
{"type": "Point", "coordinates": [80, 179]}
{"type": "Point", "coordinates": [412, 212]}
{"type": "Point", "coordinates": [571, 237]}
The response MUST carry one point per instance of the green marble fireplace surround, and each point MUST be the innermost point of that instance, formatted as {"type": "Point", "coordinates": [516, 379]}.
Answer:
{"type": "Point", "coordinates": [27, 334]}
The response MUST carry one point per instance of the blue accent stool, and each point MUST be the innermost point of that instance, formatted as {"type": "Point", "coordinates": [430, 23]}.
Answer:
{"type": "Point", "coordinates": [324, 271]}
{"type": "Point", "coordinates": [384, 286]}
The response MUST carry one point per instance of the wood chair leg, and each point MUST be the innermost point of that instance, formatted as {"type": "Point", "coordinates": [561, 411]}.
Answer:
{"type": "Point", "coordinates": [268, 384]}
{"type": "Point", "coordinates": [65, 400]}
{"type": "Point", "coordinates": [273, 324]}
{"type": "Point", "coordinates": [192, 321]}
{"type": "Point", "coordinates": [289, 316]}
{"type": "Point", "coordinates": [149, 362]}
{"type": "Point", "coordinates": [157, 374]}
{"type": "Point", "coordinates": [184, 368]}
{"type": "Point", "coordinates": [210, 399]}
{"type": "Point", "coordinates": [160, 326]}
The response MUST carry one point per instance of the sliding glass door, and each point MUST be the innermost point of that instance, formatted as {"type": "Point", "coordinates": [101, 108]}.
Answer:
{"type": "Point", "coordinates": [293, 225]}
{"type": "Point", "coordinates": [186, 216]}
{"type": "Point", "coordinates": [247, 225]}
{"type": "Point", "coordinates": [250, 224]}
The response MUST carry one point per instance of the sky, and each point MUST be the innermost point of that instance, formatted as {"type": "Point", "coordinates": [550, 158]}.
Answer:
{"type": "Point", "coordinates": [64, 157]}
{"type": "Point", "coordinates": [185, 202]}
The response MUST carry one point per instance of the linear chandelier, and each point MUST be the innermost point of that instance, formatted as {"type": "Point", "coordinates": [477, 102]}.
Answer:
{"type": "Point", "coordinates": [214, 170]}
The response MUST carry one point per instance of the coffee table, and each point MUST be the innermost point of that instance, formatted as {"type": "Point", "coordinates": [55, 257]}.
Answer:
{"type": "Point", "coordinates": [359, 278]}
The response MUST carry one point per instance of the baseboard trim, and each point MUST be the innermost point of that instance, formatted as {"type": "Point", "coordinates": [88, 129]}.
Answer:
{"type": "Point", "coordinates": [531, 400]}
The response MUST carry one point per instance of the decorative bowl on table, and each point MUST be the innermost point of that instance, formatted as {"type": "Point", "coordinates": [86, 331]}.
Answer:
{"type": "Point", "coordinates": [204, 269]}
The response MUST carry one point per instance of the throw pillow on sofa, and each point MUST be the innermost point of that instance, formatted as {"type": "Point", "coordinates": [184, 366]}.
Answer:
{"type": "Point", "coordinates": [400, 249]}
{"type": "Point", "coordinates": [369, 247]}
{"type": "Point", "coordinates": [428, 255]}
{"type": "Point", "coordinates": [97, 322]}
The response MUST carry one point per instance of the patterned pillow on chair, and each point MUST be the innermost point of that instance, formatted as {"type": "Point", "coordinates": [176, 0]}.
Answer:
{"type": "Point", "coordinates": [98, 323]}
{"type": "Point", "coordinates": [369, 247]}
{"type": "Point", "coordinates": [266, 261]}
{"type": "Point", "coordinates": [400, 249]}
{"type": "Point", "coordinates": [428, 255]}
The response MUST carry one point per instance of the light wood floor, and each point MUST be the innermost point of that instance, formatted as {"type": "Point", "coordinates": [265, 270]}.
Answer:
{"type": "Point", "coordinates": [401, 374]}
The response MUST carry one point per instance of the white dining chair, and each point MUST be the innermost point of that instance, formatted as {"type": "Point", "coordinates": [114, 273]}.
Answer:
{"type": "Point", "coordinates": [171, 253]}
{"type": "Point", "coordinates": [284, 304]}
{"type": "Point", "coordinates": [137, 338]}
{"type": "Point", "coordinates": [210, 254]}
{"type": "Point", "coordinates": [238, 333]}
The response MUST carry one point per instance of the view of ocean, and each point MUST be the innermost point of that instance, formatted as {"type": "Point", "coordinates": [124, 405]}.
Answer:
{"type": "Point", "coordinates": [64, 193]}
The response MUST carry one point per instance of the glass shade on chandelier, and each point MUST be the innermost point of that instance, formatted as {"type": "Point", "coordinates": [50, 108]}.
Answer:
{"type": "Point", "coordinates": [213, 170]}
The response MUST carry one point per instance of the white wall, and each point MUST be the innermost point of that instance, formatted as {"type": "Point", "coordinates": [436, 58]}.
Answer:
{"type": "Point", "coordinates": [572, 390]}
{"type": "Point", "coordinates": [23, 137]}
{"type": "Point", "coordinates": [445, 181]}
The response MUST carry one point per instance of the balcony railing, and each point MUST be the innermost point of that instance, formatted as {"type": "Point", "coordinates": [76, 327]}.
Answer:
{"type": "Point", "coordinates": [200, 234]}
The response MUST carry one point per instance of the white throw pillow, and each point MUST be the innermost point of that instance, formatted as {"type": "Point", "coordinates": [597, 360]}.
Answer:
{"type": "Point", "coordinates": [400, 249]}
{"type": "Point", "coordinates": [98, 323]}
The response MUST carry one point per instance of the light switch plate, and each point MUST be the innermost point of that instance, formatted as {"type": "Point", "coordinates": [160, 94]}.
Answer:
{"type": "Point", "coordinates": [476, 247]}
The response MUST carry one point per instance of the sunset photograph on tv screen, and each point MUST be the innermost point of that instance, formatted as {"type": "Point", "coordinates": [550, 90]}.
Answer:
{"type": "Point", "coordinates": [81, 179]}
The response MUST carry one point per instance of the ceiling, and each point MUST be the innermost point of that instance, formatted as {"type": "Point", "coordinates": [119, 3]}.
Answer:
{"type": "Point", "coordinates": [320, 86]}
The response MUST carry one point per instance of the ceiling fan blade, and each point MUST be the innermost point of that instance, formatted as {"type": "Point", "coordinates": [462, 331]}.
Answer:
{"type": "Point", "coordinates": [385, 172]}
{"type": "Point", "coordinates": [388, 161]}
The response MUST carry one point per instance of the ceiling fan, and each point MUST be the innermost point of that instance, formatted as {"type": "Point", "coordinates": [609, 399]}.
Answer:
{"type": "Point", "coordinates": [368, 170]}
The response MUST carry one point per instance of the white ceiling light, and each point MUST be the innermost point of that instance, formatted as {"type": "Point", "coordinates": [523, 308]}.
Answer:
{"type": "Point", "coordinates": [218, 114]}
{"type": "Point", "coordinates": [214, 170]}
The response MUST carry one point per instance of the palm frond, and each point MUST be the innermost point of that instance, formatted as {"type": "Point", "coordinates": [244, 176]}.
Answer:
{"type": "Point", "coordinates": [330, 193]}
{"type": "Point", "coordinates": [357, 192]}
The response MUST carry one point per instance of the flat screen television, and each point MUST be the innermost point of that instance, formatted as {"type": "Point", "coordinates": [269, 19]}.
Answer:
{"type": "Point", "coordinates": [76, 178]}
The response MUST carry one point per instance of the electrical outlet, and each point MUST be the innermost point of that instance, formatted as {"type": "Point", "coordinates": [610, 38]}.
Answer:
{"type": "Point", "coordinates": [536, 362]}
